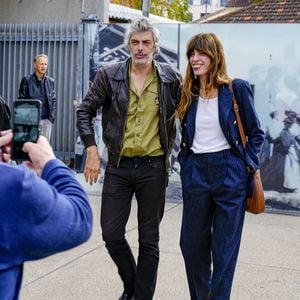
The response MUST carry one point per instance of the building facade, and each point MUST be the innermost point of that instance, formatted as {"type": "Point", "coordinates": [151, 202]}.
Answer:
{"type": "Point", "coordinates": [200, 8]}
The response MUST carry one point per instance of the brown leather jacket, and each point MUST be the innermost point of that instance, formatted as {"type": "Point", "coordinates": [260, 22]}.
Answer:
{"type": "Point", "coordinates": [110, 91]}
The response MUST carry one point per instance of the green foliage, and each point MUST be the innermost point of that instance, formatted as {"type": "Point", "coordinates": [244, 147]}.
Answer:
{"type": "Point", "coordinates": [159, 7]}
{"type": "Point", "coordinates": [179, 10]}
{"type": "Point", "coordinates": [174, 9]}
{"type": "Point", "coordinates": [137, 4]}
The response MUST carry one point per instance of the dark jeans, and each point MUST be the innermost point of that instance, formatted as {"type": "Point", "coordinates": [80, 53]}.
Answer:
{"type": "Point", "coordinates": [214, 189]}
{"type": "Point", "coordinates": [147, 179]}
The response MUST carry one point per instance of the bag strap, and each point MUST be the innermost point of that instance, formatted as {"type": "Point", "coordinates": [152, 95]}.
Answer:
{"type": "Point", "coordinates": [237, 115]}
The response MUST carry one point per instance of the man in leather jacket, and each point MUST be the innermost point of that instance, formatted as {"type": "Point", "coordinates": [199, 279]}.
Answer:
{"type": "Point", "coordinates": [40, 86]}
{"type": "Point", "coordinates": [138, 99]}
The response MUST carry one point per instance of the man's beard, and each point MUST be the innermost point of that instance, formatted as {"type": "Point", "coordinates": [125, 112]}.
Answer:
{"type": "Point", "coordinates": [145, 61]}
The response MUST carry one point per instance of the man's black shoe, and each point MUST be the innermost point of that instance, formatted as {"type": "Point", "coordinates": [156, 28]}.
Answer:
{"type": "Point", "coordinates": [126, 296]}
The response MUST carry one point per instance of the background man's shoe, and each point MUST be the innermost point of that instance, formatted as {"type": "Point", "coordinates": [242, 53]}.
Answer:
{"type": "Point", "coordinates": [126, 296]}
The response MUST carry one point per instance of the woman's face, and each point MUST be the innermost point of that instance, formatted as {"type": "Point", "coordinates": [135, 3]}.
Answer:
{"type": "Point", "coordinates": [200, 63]}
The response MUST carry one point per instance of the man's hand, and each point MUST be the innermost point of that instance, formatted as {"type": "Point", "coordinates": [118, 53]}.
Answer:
{"type": "Point", "coordinates": [5, 140]}
{"type": "Point", "coordinates": [40, 153]}
{"type": "Point", "coordinates": [92, 165]}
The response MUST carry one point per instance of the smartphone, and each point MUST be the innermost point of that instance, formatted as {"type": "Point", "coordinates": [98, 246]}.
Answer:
{"type": "Point", "coordinates": [26, 125]}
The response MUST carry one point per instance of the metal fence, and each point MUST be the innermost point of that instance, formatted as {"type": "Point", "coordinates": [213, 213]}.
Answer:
{"type": "Point", "coordinates": [19, 43]}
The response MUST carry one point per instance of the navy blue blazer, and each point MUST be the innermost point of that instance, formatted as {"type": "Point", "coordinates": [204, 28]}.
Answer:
{"type": "Point", "coordinates": [228, 123]}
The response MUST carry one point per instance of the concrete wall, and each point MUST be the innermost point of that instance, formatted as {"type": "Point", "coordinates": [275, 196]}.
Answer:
{"type": "Point", "coordinates": [52, 11]}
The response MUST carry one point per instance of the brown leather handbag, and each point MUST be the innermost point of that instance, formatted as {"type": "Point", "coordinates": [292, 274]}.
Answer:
{"type": "Point", "coordinates": [255, 203]}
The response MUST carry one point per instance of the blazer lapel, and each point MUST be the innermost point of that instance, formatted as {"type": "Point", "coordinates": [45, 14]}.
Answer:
{"type": "Point", "coordinates": [225, 105]}
{"type": "Point", "coordinates": [190, 121]}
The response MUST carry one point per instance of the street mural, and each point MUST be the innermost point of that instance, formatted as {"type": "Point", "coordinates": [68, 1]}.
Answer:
{"type": "Point", "coordinates": [274, 74]}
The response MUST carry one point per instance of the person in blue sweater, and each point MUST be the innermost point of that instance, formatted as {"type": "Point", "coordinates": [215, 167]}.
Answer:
{"type": "Point", "coordinates": [39, 215]}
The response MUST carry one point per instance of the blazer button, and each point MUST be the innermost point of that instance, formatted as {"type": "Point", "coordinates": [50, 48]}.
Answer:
{"type": "Point", "coordinates": [184, 124]}
{"type": "Point", "coordinates": [236, 141]}
{"type": "Point", "coordinates": [183, 144]}
{"type": "Point", "coordinates": [234, 122]}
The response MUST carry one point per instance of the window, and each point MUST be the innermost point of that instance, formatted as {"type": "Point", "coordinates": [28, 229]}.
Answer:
{"type": "Point", "coordinates": [205, 2]}
{"type": "Point", "coordinates": [224, 2]}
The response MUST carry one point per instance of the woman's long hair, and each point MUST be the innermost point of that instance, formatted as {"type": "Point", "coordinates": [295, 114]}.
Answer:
{"type": "Point", "coordinates": [210, 45]}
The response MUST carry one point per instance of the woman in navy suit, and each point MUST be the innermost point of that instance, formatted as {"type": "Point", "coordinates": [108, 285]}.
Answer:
{"type": "Point", "coordinates": [215, 169]}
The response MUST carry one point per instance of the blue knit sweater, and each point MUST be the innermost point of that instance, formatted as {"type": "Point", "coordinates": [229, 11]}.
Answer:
{"type": "Point", "coordinates": [38, 217]}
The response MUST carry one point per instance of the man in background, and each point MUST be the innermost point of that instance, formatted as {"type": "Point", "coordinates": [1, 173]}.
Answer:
{"type": "Point", "coordinates": [40, 86]}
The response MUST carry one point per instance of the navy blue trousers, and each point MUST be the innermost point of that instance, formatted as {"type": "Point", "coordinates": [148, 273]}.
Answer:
{"type": "Point", "coordinates": [214, 187]}
{"type": "Point", "coordinates": [145, 177]}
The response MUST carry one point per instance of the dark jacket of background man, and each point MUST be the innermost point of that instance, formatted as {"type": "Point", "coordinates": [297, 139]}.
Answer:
{"type": "Point", "coordinates": [29, 89]}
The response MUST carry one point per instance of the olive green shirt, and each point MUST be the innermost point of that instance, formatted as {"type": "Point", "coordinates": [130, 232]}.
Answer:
{"type": "Point", "coordinates": [141, 135]}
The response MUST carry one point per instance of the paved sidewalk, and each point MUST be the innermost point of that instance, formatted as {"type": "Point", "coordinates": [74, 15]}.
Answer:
{"type": "Point", "coordinates": [268, 265]}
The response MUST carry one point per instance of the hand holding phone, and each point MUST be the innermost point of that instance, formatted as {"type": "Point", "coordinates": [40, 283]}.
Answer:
{"type": "Point", "coordinates": [40, 153]}
{"type": "Point", "coordinates": [26, 120]}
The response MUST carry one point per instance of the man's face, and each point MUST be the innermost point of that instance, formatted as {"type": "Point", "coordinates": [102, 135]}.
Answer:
{"type": "Point", "coordinates": [141, 47]}
{"type": "Point", "coordinates": [41, 66]}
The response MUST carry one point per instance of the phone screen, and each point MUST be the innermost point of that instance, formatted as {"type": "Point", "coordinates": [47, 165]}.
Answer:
{"type": "Point", "coordinates": [26, 119]}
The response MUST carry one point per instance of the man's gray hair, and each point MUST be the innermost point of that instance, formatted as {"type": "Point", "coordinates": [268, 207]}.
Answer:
{"type": "Point", "coordinates": [40, 56]}
{"type": "Point", "coordinates": [142, 25]}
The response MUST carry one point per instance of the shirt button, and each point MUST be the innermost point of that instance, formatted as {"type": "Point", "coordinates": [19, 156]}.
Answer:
{"type": "Point", "coordinates": [237, 142]}
{"type": "Point", "coordinates": [183, 144]}
{"type": "Point", "coordinates": [234, 122]}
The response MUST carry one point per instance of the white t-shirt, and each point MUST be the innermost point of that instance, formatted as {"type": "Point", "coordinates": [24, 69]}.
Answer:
{"type": "Point", "coordinates": [209, 136]}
